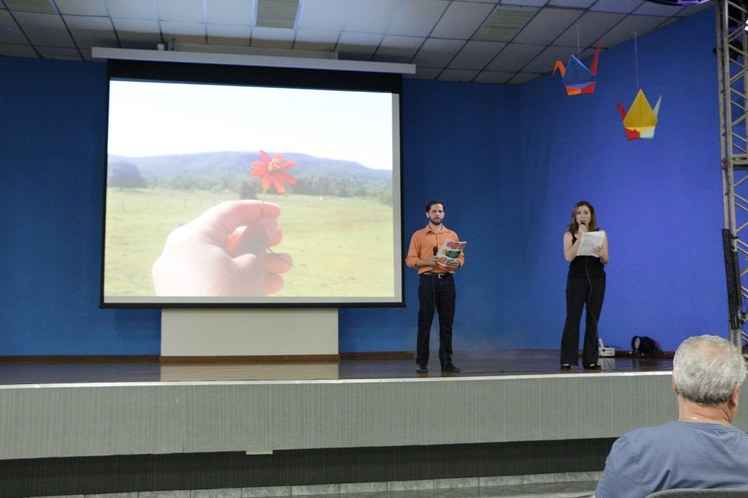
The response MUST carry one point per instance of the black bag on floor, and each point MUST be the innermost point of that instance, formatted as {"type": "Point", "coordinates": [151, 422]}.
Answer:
{"type": "Point", "coordinates": [644, 346]}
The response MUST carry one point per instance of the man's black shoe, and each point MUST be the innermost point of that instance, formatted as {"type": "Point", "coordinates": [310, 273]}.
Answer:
{"type": "Point", "coordinates": [449, 367]}
{"type": "Point", "coordinates": [421, 368]}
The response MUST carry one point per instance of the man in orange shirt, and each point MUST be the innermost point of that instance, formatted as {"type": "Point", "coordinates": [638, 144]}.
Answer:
{"type": "Point", "coordinates": [436, 288]}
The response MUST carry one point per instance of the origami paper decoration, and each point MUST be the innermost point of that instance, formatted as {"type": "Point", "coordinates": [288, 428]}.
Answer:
{"type": "Point", "coordinates": [641, 119]}
{"type": "Point", "coordinates": [576, 77]}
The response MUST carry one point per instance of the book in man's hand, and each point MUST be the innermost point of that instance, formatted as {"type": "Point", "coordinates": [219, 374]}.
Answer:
{"type": "Point", "coordinates": [449, 252]}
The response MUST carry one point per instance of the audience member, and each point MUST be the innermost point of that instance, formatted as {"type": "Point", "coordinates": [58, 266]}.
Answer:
{"type": "Point", "coordinates": [701, 449]}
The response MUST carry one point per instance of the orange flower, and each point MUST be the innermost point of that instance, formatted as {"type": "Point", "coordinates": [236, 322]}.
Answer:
{"type": "Point", "coordinates": [272, 171]}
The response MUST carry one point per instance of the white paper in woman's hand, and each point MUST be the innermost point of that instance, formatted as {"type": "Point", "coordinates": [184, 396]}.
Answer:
{"type": "Point", "coordinates": [590, 241]}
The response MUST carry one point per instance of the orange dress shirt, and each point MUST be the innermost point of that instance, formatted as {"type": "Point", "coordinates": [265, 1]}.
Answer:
{"type": "Point", "coordinates": [422, 245]}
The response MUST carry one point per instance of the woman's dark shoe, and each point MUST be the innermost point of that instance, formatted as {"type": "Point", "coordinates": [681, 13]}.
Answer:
{"type": "Point", "coordinates": [592, 367]}
{"type": "Point", "coordinates": [565, 366]}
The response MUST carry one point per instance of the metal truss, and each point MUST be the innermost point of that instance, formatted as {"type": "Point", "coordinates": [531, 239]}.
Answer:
{"type": "Point", "coordinates": [732, 57]}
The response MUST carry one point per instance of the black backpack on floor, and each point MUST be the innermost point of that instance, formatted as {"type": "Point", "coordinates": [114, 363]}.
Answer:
{"type": "Point", "coordinates": [644, 346]}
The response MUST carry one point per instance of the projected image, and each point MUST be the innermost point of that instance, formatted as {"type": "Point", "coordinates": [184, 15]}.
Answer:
{"type": "Point", "coordinates": [234, 194]}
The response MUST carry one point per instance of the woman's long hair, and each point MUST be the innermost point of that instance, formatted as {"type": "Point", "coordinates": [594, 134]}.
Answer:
{"type": "Point", "coordinates": [574, 226]}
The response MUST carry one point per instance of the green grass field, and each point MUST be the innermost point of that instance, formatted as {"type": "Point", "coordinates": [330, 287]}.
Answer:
{"type": "Point", "coordinates": [341, 247]}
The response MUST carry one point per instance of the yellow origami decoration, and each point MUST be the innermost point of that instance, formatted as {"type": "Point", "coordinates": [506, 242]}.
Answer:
{"type": "Point", "coordinates": [641, 119]}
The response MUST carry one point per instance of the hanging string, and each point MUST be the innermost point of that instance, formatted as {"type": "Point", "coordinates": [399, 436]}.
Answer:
{"type": "Point", "coordinates": [636, 60]}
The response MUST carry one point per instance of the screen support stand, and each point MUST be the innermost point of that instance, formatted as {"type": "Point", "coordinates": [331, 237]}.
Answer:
{"type": "Point", "coordinates": [218, 334]}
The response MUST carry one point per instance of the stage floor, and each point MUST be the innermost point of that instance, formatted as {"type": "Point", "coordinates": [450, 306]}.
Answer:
{"type": "Point", "coordinates": [472, 364]}
{"type": "Point", "coordinates": [507, 414]}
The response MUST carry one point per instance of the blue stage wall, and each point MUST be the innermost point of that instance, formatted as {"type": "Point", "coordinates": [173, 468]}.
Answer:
{"type": "Point", "coordinates": [53, 145]}
{"type": "Point", "coordinates": [516, 161]}
{"type": "Point", "coordinates": [660, 199]}
{"type": "Point", "coordinates": [508, 161]}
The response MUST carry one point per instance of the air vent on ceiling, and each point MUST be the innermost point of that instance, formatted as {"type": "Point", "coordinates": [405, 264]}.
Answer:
{"type": "Point", "coordinates": [504, 23]}
{"type": "Point", "coordinates": [277, 13]}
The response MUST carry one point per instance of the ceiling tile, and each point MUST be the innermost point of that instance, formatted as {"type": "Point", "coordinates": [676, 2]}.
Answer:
{"type": "Point", "coordinates": [520, 78]}
{"type": "Point", "coordinates": [417, 17]}
{"type": "Point", "coordinates": [588, 29]}
{"type": "Point", "coordinates": [82, 7]}
{"type": "Point", "coordinates": [620, 6]}
{"type": "Point", "coordinates": [689, 11]}
{"type": "Point", "coordinates": [44, 29]}
{"type": "Point", "coordinates": [229, 34]}
{"type": "Point", "coordinates": [272, 34]}
{"type": "Point", "coordinates": [91, 31]}
{"type": "Point", "coordinates": [398, 48]}
{"type": "Point", "coordinates": [240, 12]}
{"type": "Point", "coordinates": [311, 39]}
{"type": "Point", "coordinates": [10, 32]}
{"type": "Point", "coordinates": [461, 20]}
{"type": "Point", "coordinates": [88, 55]}
{"type": "Point", "coordinates": [311, 46]}
{"type": "Point", "coordinates": [186, 11]}
{"type": "Point", "coordinates": [13, 50]}
{"type": "Point", "coordinates": [476, 54]}
{"type": "Point", "coordinates": [629, 28]}
{"type": "Point", "coordinates": [272, 45]}
{"type": "Point", "coordinates": [59, 53]}
{"type": "Point", "coordinates": [437, 52]}
{"type": "Point", "coordinates": [514, 57]}
{"type": "Point", "coordinates": [272, 38]}
{"type": "Point", "coordinates": [583, 4]}
{"type": "Point", "coordinates": [371, 16]}
{"type": "Point", "coordinates": [525, 3]}
{"type": "Point", "coordinates": [547, 25]}
{"type": "Point", "coordinates": [133, 9]}
{"type": "Point", "coordinates": [493, 77]}
{"type": "Point", "coordinates": [360, 46]}
{"type": "Point", "coordinates": [184, 32]}
{"type": "Point", "coordinates": [38, 6]}
{"type": "Point", "coordinates": [657, 9]}
{"type": "Point", "coordinates": [425, 73]}
{"type": "Point", "coordinates": [136, 34]}
{"type": "Point", "coordinates": [545, 61]}
{"type": "Point", "coordinates": [323, 14]}
{"type": "Point", "coordinates": [457, 75]}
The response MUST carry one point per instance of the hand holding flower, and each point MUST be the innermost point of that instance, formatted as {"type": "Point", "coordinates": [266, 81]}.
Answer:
{"type": "Point", "coordinates": [223, 253]}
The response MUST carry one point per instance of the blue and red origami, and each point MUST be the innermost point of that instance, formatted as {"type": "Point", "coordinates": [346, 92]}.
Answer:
{"type": "Point", "coordinates": [577, 78]}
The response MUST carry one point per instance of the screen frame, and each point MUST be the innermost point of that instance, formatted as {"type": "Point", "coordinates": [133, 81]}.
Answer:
{"type": "Point", "coordinates": [278, 77]}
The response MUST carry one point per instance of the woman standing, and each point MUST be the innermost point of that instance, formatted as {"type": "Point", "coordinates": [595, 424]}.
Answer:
{"type": "Point", "coordinates": [585, 286]}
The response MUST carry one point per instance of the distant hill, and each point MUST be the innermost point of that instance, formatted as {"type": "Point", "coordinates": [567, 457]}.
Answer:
{"type": "Point", "coordinates": [237, 164]}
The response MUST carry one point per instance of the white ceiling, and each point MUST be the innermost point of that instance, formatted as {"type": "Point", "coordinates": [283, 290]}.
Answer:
{"type": "Point", "coordinates": [484, 41]}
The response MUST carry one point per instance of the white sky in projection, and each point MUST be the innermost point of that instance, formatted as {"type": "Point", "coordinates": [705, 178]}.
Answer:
{"type": "Point", "coordinates": [153, 118]}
